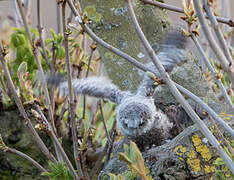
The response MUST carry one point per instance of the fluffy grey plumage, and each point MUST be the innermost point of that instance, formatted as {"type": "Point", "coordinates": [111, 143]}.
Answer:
{"type": "Point", "coordinates": [172, 53]}
{"type": "Point", "coordinates": [137, 114]}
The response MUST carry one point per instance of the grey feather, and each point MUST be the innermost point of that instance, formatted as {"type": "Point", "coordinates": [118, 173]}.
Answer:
{"type": "Point", "coordinates": [137, 114]}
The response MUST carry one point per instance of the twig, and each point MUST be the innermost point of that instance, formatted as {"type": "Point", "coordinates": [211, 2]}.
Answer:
{"type": "Point", "coordinates": [98, 163]}
{"type": "Point", "coordinates": [104, 123]}
{"type": "Point", "coordinates": [227, 67]}
{"type": "Point", "coordinates": [224, 20]}
{"type": "Point", "coordinates": [55, 139]}
{"type": "Point", "coordinates": [22, 110]}
{"type": "Point", "coordinates": [40, 36]}
{"type": "Point", "coordinates": [17, 18]}
{"type": "Point", "coordinates": [175, 91]}
{"type": "Point", "coordinates": [218, 32]}
{"type": "Point", "coordinates": [36, 164]}
{"type": "Point", "coordinates": [210, 111]}
{"type": "Point", "coordinates": [219, 133]}
{"type": "Point", "coordinates": [145, 69]}
{"type": "Point", "coordinates": [71, 94]}
{"type": "Point", "coordinates": [110, 147]}
{"type": "Point", "coordinates": [213, 73]}
{"type": "Point", "coordinates": [43, 81]}
{"type": "Point", "coordinates": [86, 75]}
{"type": "Point", "coordinates": [58, 17]}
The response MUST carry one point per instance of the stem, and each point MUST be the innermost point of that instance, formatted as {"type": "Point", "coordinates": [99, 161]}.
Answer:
{"type": "Point", "coordinates": [224, 20]}
{"type": "Point", "coordinates": [36, 164]}
{"type": "Point", "coordinates": [213, 73]}
{"type": "Point", "coordinates": [145, 69]}
{"type": "Point", "coordinates": [104, 123]}
{"type": "Point", "coordinates": [175, 91]}
{"type": "Point", "coordinates": [57, 143]}
{"type": "Point", "coordinates": [227, 66]}
{"type": "Point", "coordinates": [43, 80]}
{"type": "Point", "coordinates": [22, 110]}
{"type": "Point", "coordinates": [39, 27]}
{"type": "Point", "coordinates": [218, 32]}
{"type": "Point", "coordinates": [71, 94]}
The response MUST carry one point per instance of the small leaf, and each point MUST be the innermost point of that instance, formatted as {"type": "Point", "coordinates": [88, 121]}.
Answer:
{"type": "Point", "coordinates": [124, 158]}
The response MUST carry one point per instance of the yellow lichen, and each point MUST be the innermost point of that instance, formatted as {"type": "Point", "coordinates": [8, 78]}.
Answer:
{"type": "Point", "coordinates": [209, 169]}
{"type": "Point", "coordinates": [194, 164]}
{"type": "Point", "coordinates": [180, 150]}
{"type": "Point", "coordinates": [196, 140]}
{"type": "Point", "coordinates": [199, 148]}
{"type": "Point", "coordinates": [205, 153]}
{"type": "Point", "coordinates": [191, 154]}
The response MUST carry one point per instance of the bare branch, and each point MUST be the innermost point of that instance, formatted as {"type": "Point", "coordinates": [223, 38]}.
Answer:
{"type": "Point", "coordinates": [227, 66]}
{"type": "Point", "coordinates": [175, 91]}
{"type": "Point", "coordinates": [224, 20]}
{"type": "Point", "coordinates": [22, 110]}
{"type": "Point", "coordinates": [218, 32]}
{"type": "Point", "coordinates": [145, 69]}
{"type": "Point", "coordinates": [224, 92]}
{"type": "Point", "coordinates": [71, 94]}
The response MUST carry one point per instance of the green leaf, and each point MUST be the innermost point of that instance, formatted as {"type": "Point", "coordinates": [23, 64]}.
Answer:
{"type": "Point", "coordinates": [124, 158]}
{"type": "Point", "coordinates": [17, 40]}
{"type": "Point", "coordinates": [53, 34]}
{"type": "Point", "coordinates": [219, 161]}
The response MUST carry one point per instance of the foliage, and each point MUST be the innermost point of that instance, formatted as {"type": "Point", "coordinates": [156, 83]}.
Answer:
{"type": "Point", "coordinates": [58, 172]}
{"type": "Point", "coordinates": [133, 157]}
{"type": "Point", "coordinates": [222, 171]}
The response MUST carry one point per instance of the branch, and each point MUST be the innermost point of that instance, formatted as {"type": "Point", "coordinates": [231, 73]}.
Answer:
{"type": "Point", "coordinates": [19, 104]}
{"type": "Point", "coordinates": [213, 73]}
{"type": "Point", "coordinates": [43, 81]}
{"type": "Point", "coordinates": [51, 133]}
{"type": "Point", "coordinates": [175, 91]}
{"type": "Point", "coordinates": [224, 20]}
{"type": "Point", "coordinates": [227, 66]}
{"type": "Point", "coordinates": [218, 32]}
{"type": "Point", "coordinates": [39, 27]}
{"type": "Point", "coordinates": [71, 94]}
{"type": "Point", "coordinates": [144, 68]}
{"type": "Point", "coordinates": [25, 156]}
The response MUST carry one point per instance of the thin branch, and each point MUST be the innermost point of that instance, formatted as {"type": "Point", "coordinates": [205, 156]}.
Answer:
{"type": "Point", "coordinates": [203, 128]}
{"type": "Point", "coordinates": [43, 81]}
{"type": "Point", "coordinates": [39, 27]}
{"type": "Point", "coordinates": [58, 17]}
{"type": "Point", "coordinates": [22, 110]}
{"type": "Point", "coordinates": [224, 20]}
{"type": "Point", "coordinates": [145, 69]}
{"type": "Point", "coordinates": [17, 18]}
{"type": "Point", "coordinates": [213, 73]}
{"type": "Point", "coordinates": [210, 111]}
{"type": "Point", "coordinates": [71, 94]}
{"type": "Point", "coordinates": [218, 32]}
{"type": "Point", "coordinates": [110, 147]}
{"type": "Point", "coordinates": [98, 163]}
{"type": "Point", "coordinates": [104, 123]}
{"type": "Point", "coordinates": [36, 164]}
{"type": "Point", "coordinates": [227, 67]}
{"type": "Point", "coordinates": [55, 139]}
{"type": "Point", "coordinates": [86, 75]}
